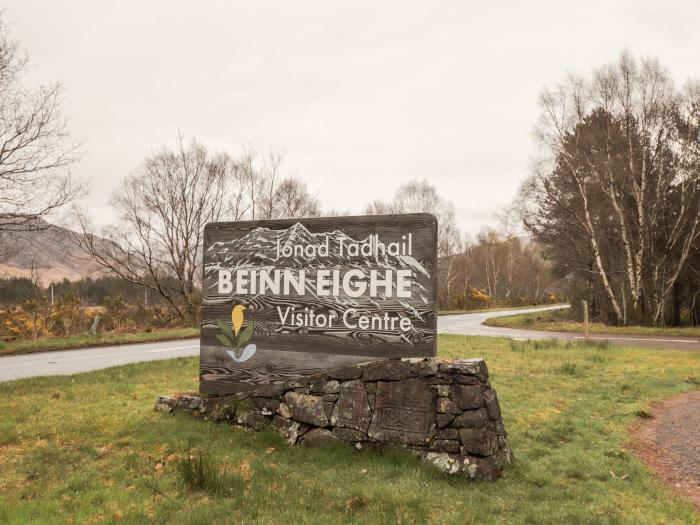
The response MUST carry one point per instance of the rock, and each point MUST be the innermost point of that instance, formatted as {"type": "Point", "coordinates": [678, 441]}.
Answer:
{"type": "Point", "coordinates": [449, 463]}
{"type": "Point", "coordinates": [187, 402]}
{"type": "Point", "coordinates": [468, 397]}
{"type": "Point", "coordinates": [473, 367]}
{"type": "Point", "coordinates": [352, 409]}
{"type": "Point", "coordinates": [271, 390]}
{"type": "Point", "coordinates": [348, 434]}
{"type": "Point", "coordinates": [480, 442]}
{"type": "Point", "coordinates": [404, 412]}
{"type": "Point", "coordinates": [266, 404]}
{"type": "Point", "coordinates": [492, 405]}
{"type": "Point", "coordinates": [443, 411]}
{"type": "Point", "coordinates": [447, 433]}
{"type": "Point", "coordinates": [289, 430]}
{"type": "Point", "coordinates": [443, 390]}
{"type": "Point", "coordinates": [442, 420]}
{"type": "Point", "coordinates": [500, 428]}
{"type": "Point", "coordinates": [447, 406]}
{"type": "Point", "coordinates": [283, 410]}
{"type": "Point", "coordinates": [457, 379]}
{"type": "Point", "coordinates": [250, 419]}
{"type": "Point", "coordinates": [471, 419]}
{"type": "Point", "coordinates": [489, 468]}
{"type": "Point", "coordinates": [324, 386]}
{"type": "Point", "coordinates": [318, 437]}
{"type": "Point", "coordinates": [307, 408]}
{"type": "Point", "coordinates": [444, 445]}
{"type": "Point", "coordinates": [164, 404]}
{"type": "Point", "coordinates": [394, 370]}
{"type": "Point", "coordinates": [345, 373]}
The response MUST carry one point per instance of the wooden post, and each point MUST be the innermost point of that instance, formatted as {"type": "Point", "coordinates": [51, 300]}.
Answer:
{"type": "Point", "coordinates": [586, 327]}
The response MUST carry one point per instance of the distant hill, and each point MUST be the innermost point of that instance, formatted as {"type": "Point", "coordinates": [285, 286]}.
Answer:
{"type": "Point", "coordinates": [54, 255]}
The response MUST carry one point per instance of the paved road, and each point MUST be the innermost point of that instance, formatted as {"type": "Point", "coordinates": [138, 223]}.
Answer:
{"type": "Point", "coordinates": [74, 361]}
{"type": "Point", "coordinates": [471, 324]}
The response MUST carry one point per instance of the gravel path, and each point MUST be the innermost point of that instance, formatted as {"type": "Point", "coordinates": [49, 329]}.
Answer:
{"type": "Point", "coordinates": [669, 443]}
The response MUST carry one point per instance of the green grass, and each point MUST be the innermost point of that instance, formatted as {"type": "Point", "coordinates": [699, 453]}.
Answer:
{"type": "Point", "coordinates": [90, 449]}
{"type": "Point", "coordinates": [561, 321]}
{"type": "Point", "coordinates": [24, 346]}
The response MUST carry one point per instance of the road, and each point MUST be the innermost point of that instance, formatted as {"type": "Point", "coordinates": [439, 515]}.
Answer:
{"type": "Point", "coordinates": [471, 324]}
{"type": "Point", "coordinates": [83, 360]}
{"type": "Point", "coordinates": [63, 362]}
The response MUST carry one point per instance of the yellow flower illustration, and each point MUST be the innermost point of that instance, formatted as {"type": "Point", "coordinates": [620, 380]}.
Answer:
{"type": "Point", "coordinates": [237, 318]}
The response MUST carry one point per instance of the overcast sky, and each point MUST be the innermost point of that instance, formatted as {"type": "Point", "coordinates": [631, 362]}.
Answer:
{"type": "Point", "coordinates": [360, 96]}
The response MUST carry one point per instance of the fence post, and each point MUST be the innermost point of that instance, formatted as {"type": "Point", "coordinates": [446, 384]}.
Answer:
{"type": "Point", "coordinates": [586, 327]}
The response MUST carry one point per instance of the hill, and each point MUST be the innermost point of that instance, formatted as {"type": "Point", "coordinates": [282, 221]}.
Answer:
{"type": "Point", "coordinates": [49, 250]}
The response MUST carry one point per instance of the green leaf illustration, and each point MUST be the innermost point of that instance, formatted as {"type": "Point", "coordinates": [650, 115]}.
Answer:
{"type": "Point", "coordinates": [246, 334]}
{"type": "Point", "coordinates": [226, 329]}
{"type": "Point", "coordinates": [224, 340]}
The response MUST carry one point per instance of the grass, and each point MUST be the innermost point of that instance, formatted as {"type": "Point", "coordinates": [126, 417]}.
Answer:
{"type": "Point", "coordinates": [90, 449]}
{"type": "Point", "coordinates": [497, 309]}
{"type": "Point", "coordinates": [562, 321]}
{"type": "Point", "coordinates": [25, 346]}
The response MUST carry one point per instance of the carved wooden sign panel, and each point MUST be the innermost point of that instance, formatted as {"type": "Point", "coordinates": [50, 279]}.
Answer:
{"type": "Point", "coordinates": [288, 298]}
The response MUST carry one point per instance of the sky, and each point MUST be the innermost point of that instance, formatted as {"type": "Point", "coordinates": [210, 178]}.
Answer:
{"type": "Point", "coordinates": [360, 96]}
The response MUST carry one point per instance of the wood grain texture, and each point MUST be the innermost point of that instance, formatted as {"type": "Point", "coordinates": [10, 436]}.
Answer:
{"type": "Point", "coordinates": [285, 351]}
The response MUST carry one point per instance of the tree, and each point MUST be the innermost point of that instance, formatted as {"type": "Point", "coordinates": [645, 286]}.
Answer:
{"type": "Point", "coordinates": [36, 153]}
{"type": "Point", "coordinates": [164, 206]}
{"type": "Point", "coordinates": [421, 197]}
{"type": "Point", "coordinates": [615, 196]}
{"type": "Point", "coordinates": [162, 209]}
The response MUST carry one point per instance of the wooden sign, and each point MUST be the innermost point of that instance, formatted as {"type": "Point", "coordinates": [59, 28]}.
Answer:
{"type": "Point", "coordinates": [284, 299]}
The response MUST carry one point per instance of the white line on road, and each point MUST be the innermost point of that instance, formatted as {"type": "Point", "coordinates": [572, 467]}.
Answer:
{"type": "Point", "coordinates": [171, 349]}
{"type": "Point", "coordinates": [639, 339]}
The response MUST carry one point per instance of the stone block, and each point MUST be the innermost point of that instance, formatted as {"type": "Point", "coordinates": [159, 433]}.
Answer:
{"type": "Point", "coordinates": [352, 409]}
{"type": "Point", "coordinates": [404, 412]}
{"type": "Point", "coordinates": [468, 397]}
{"type": "Point", "coordinates": [444, 445]}
{"type": "Point", "coordinates": [271, 390]}
{"type": "Point", "coordinates": [447, 406]}
{"type": "Point", "coordinates": [349, 434]}
{"type": "Point", "coordinates": [250, 419]}
{"type": "Point", "coordinates": [283, 410]}
{"type": "Point", "coordinates": [267, 405]}
{"type": "Point", "coordinates": [306, 408]}
{"type": "Point", "coordinates": [289, 430]}
{"type": "Point", "coordinates": [442, 420]}
{"type": "Point", "coordinates": [479, 442]}
{"type": "Point", "coordinates": [492, 406]}
{"type": "Point", "coordinates": [471, 419]}
{"type": "Point", "coordinates": [345, 373]}
{"type": "Point", "coordinates": [318, 437]}
{"type": "Point", "coordinates": [394, 370]}
{"type": "Point", "coordinates": [164, 404]}
{"type": "Point", "coordinates": [446, 433]}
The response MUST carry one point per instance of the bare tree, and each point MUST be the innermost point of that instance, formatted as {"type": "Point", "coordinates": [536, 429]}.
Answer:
{"type": "Point", "coordinates": [422, 197]}
{"type": "Point", "coordinates": [293, 199]}
{"type": "Point", "coordinates": [36, 152]}
{"type": "Point", "coordinates": [163, 208]}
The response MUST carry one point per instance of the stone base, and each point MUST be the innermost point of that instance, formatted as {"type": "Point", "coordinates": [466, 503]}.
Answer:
{"type": "Point", "coordinates": [445, 410]}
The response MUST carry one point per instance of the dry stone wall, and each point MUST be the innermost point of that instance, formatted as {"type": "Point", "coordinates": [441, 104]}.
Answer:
{"type": "Point", "coordinates": [444, 410]}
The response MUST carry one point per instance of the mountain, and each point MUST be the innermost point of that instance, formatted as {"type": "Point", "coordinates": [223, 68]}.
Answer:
{"type": "Point", "coordinates": [51, 251]}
